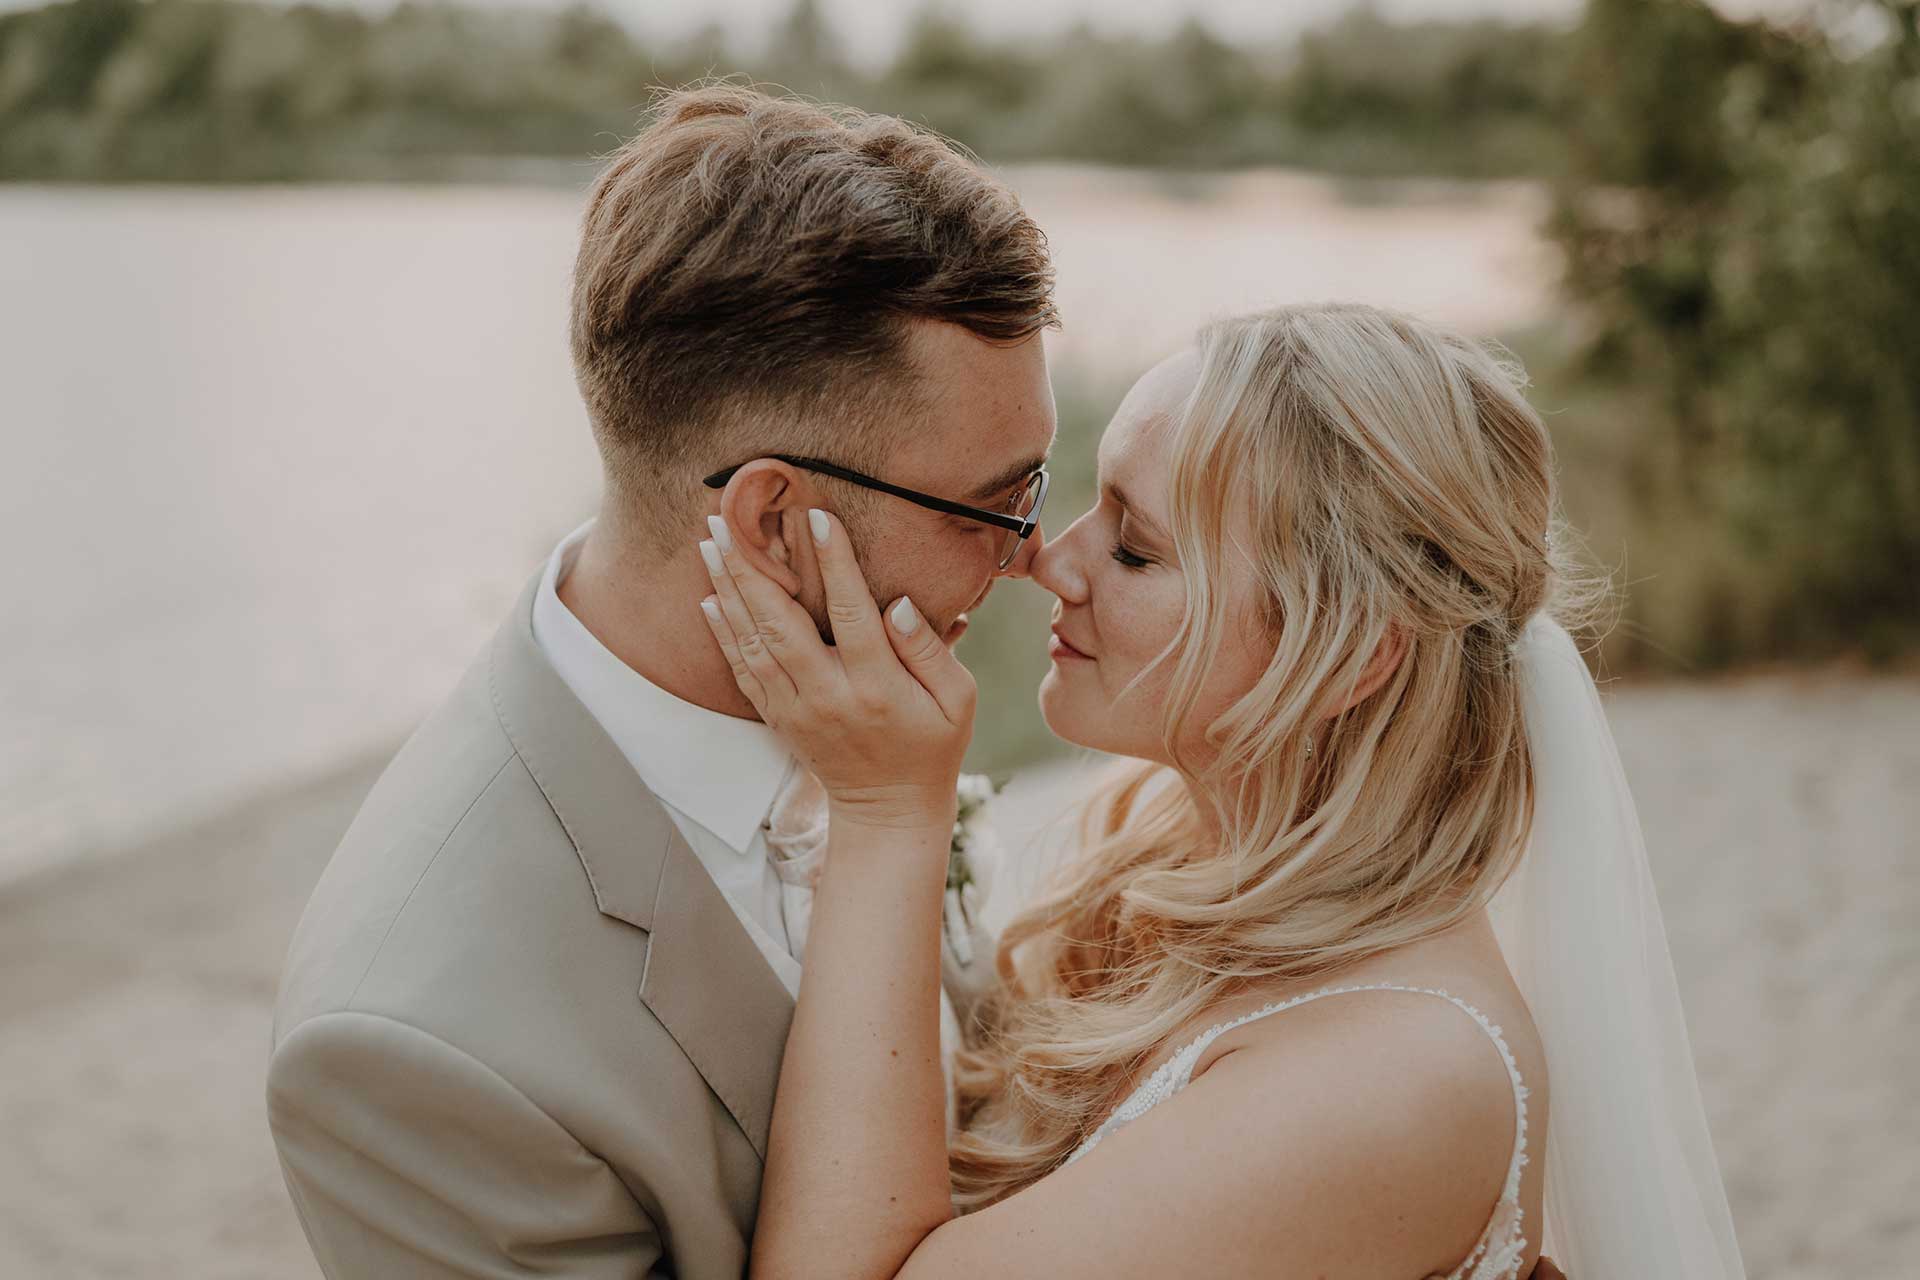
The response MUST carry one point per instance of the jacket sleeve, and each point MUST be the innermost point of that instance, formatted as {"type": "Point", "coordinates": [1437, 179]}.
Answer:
{"type": "Point", "coordinates": [408, 1158]}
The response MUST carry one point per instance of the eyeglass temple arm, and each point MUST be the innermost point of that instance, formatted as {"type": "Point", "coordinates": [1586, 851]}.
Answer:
{"type": "Point", "coordinates": [718, 480]}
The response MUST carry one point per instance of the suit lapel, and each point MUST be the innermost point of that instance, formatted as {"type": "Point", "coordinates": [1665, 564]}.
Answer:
{"type": "Point", "coordinates": [704, 978]}
{"type": "Point", "coordinates": [709, 984]}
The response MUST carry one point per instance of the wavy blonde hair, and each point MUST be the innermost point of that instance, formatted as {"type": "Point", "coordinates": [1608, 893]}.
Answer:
{"type": "Point", "coordinates": [1378, 474]}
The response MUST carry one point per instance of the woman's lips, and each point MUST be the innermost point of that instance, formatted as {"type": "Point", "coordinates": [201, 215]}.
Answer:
{"type": "Point", "coordinates": [1059, 647]}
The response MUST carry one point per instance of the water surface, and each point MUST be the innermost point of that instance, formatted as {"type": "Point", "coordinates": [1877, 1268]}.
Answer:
{"type": "Point", "coordinates": [277, 460]}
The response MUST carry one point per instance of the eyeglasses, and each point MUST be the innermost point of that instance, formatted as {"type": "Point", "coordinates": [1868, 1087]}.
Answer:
{"type": "Point", "coordinates": [1019, 518]}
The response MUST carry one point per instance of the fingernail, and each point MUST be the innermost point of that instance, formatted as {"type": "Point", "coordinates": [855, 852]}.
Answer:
{"type": "Point", "coordinates": [905, 620]}
{"type": "Point", "coordinates": [721, 534]}
{"type": "Point", "coordinates": [710, 606]}
{"type": "Point", "coordinates": [711, 554]}
{"type": "Point", "coordinates": [817, 521]}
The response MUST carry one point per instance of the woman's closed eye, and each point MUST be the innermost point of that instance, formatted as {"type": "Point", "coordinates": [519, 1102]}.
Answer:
{"type": "Point", "coordinates": [1127, 559]}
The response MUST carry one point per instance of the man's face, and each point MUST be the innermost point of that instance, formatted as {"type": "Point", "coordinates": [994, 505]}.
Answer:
{"type": "Point", "coordinates": [989, 423]}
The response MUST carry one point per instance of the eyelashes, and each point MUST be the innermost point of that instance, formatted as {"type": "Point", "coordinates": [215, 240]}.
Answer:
{"type": "Point", "coordinates": [1127, 559]}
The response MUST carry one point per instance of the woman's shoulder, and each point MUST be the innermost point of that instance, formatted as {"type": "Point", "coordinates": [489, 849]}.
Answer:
{"type": "Point", "coordinates": [1385, 1097]}
{"type": "Point", "coordinates": [1449, 998]}
{"type": "Point", "coordinates": [1423, 1078]}
{"type": "Point", "coordinates": [1419, 1034]}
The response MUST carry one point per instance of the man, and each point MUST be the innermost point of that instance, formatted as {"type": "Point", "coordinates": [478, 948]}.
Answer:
{"type": "Point", "coordinates": [532, 1019]}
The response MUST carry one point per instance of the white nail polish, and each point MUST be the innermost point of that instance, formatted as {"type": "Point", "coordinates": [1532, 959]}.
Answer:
{"type": "Point", "coordinates": [721, 534]}
{"type": "Point", "coordinates": [711, 554]}
{"type": "Point", "coordinates": [905, 620]}
{"type": "Point", "coordinates": [712, 611]}
{"type": "Point", "coordinates": [817, 521]}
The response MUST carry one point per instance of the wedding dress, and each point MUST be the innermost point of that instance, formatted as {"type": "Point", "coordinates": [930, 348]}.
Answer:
{"type": "Point", "coordinates": [1498, 1252]}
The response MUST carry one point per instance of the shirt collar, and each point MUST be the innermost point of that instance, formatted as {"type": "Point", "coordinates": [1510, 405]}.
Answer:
{"type": "Point", "coordinates": [720, 771]}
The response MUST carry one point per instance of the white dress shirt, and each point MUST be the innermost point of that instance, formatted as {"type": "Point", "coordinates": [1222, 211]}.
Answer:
{"type": "Point", "coordinates": [716, 774]}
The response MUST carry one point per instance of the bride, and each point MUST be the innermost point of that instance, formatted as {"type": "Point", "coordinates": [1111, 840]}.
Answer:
{"type": "Point", "coordinates": [1359, 972]}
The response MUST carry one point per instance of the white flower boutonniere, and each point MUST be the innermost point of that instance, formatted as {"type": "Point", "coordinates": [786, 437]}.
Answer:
{"type": "Point", "coordinates": [969, 866]}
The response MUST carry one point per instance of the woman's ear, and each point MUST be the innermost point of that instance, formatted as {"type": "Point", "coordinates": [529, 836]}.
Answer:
{"type": "Point", "coordinates": [765, 505]}
{"type": "Point", "coordinates": [1386, 659]}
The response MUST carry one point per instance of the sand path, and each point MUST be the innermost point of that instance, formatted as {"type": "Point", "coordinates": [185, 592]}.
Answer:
{"type": "Point", "coordinates": [1782, 813]}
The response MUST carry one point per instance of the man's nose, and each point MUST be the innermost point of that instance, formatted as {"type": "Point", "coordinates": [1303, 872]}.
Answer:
{"type": "Point", "coordinates": [1021, 566]}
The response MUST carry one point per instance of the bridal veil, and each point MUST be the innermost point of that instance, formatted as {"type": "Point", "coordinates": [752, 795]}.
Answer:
{"type": "Point", "coordinates": [1632, 1187]}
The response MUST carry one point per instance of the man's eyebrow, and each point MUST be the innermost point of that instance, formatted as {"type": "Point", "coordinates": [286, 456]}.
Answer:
{"type": "Point", "coordinates": [1008, 478]}
{"type": "Point", "coordinates": [1119, 497]}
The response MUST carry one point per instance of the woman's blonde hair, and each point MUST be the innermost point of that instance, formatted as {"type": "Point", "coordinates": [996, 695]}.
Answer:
{"type": "Point", "coordinates": [1378, 475]}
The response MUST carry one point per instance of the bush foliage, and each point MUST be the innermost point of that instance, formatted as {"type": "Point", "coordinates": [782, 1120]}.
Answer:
{"type": "Point", "coordinates": [1738, 205]}
{"type": "Point", "coordinates": [1741, 224]}
{"type": "Point", "coordinates": [206, 90]}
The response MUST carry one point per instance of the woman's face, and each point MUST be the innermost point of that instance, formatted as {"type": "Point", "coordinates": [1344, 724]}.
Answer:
{"type": "Point", "coordinates": [1122, 591]}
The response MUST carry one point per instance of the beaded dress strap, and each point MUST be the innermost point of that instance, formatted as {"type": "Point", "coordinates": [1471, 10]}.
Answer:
{"type": "Point", "coordinates": [1188, 1058]}
{"type": "Point", "coordinates": [1175, 1073]}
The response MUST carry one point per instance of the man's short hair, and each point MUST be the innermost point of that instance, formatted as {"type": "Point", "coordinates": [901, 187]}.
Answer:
{"type": "Point", "coordinates": [748, 269]}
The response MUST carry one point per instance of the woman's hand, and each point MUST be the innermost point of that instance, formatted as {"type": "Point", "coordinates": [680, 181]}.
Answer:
{"type": "Point", "coordinates": [882, 717]}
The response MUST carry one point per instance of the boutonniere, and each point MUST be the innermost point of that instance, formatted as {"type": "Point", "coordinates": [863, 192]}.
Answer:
{"type": "Point", "coordinates": [966, 864]}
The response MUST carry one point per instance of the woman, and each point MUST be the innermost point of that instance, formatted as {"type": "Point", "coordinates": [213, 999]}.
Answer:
{"type": "Point", "coordinates": [1262, 1023]}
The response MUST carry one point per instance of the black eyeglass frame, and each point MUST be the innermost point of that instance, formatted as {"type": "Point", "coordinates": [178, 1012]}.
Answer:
{"type": "Point", "coordinates": [1023, 526]}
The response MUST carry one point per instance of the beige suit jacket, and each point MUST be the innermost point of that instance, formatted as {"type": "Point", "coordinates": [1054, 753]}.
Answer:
{"type": "Point", "coordinates": [520, 1031]}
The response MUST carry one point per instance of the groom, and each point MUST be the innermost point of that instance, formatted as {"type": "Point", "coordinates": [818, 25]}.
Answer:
{"type": "Point", "coordinates": [532, 1018]}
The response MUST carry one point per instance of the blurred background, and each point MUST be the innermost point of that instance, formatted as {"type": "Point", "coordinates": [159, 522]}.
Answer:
{"type": "Point", "coordinates": [287, 420]}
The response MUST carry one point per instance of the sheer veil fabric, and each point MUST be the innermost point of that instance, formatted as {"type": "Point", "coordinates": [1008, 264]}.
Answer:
{"type": "Point", "coordinates": [1632, 1187]}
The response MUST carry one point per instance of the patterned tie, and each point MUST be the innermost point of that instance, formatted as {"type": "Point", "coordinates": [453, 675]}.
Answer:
{"type": "Point", "coordinates": [795, 831]}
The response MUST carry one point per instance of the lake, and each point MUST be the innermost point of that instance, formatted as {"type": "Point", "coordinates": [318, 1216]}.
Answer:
{"type": "Point", "coordinates": [279, 458]}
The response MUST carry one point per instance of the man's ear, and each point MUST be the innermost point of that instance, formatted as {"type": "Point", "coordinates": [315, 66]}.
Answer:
{"type": "Point", "coordinates": [765, 506]}
{"type": "Point", "coordinates": [1386, 659]}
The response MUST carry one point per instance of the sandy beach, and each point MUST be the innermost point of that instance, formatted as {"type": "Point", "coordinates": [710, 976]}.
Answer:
{"type": "Point", "coordinates": [1781, 812]}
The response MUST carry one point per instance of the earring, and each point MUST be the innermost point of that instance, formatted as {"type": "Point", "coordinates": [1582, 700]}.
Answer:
{"type": "Point", "coordinates": [1309, 748]}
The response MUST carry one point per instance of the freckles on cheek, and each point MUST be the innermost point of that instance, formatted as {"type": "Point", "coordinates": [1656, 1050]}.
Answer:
{"type": "Point", "coordinates": [1139, 620]}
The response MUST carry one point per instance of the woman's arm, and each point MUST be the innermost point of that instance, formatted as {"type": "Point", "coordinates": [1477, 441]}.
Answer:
{"type": "Point", "coordinates": [856, 1173]}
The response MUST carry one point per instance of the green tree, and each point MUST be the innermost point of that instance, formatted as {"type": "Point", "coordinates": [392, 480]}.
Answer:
{"type": "Point", "coordinates": [1742, 223]}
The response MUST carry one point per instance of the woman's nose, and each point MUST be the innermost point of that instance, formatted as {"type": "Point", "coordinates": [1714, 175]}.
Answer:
{"type": "Point", "coordinates": [1055, 567]}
